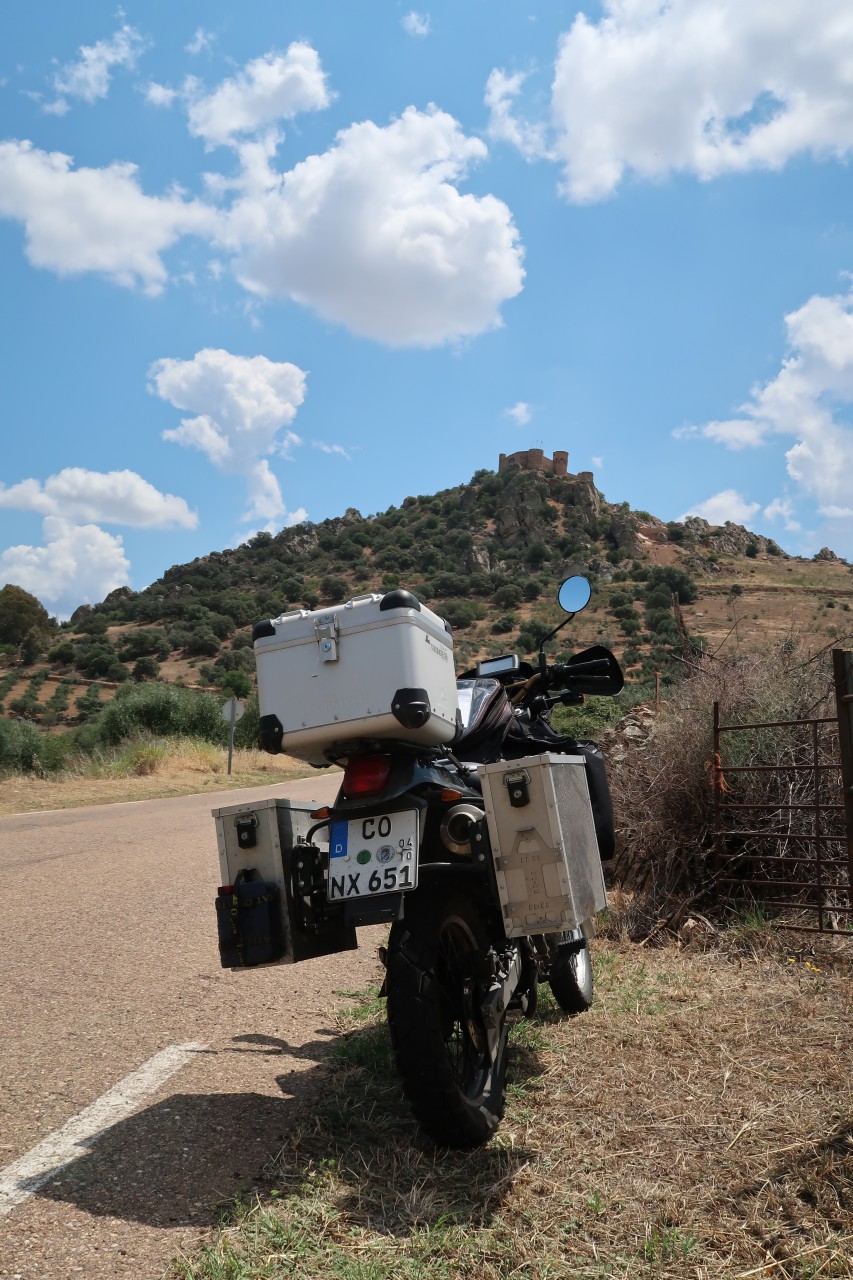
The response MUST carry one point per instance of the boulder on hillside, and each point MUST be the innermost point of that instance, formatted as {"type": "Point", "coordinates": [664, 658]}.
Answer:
{"type": "Point", "coordinates": [624, 532]}
{"type": "Point", "coordinates": [120, 593]}
{"type": "Point", "coordinates": [825, 554]}
{"type": "Point", "coordinates": [478, 560]}
{"type": "Point", "coordinates": [731, 539]}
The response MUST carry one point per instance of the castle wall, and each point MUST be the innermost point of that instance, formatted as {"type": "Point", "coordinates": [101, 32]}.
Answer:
{"type": "Point", "coordinates": [535, 460]}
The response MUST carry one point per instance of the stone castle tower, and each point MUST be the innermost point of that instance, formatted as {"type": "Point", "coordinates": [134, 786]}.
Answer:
{"type": "Point", "coordinates": [535, 460]}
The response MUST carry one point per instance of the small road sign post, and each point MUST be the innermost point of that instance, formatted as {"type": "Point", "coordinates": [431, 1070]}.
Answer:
{"type": "Point", "coordinates": [232, 710]}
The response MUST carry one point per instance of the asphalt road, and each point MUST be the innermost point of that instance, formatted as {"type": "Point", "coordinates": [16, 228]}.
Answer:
{"type": "Point", "coordinates": [108, 957]}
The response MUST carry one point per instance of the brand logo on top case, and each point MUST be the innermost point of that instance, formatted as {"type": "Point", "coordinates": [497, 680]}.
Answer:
{"type": "Point", "coordinates": [437, 648]}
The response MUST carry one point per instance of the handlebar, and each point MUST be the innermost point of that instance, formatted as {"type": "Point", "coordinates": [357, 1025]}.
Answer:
{"type": "Point", "coordinates": [598, 668]}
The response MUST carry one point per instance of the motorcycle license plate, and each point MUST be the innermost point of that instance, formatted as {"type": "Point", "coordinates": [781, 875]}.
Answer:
{"type": "Point", "coordinates": [373, 855]}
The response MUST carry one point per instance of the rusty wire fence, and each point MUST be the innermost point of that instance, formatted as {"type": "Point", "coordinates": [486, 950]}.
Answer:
{"type": "Point", "coordinates": [783, 812]}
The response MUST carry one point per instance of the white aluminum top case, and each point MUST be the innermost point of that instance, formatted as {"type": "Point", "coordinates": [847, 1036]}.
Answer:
{"type": "Point", "coordinates": [333, 675]}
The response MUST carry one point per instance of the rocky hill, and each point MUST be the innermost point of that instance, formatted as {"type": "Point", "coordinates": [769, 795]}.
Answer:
{"type": "Point", "coordinates": [488, 556]}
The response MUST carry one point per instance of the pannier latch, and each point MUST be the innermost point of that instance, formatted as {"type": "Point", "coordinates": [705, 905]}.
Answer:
{"type": "Point", "coordinates": [246, 831]}
{"type": "Point", "coordinates": [326, 634]}
{"type": "Point", "coordinates": [518, 788]}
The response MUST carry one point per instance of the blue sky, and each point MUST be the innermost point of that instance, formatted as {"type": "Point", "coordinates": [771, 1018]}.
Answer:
{"type": "Point", "coordinates": [266, 262]}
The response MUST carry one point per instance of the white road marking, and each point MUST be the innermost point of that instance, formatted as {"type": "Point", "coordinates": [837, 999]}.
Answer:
{"type": "Point", "coordinates": [60, 1148]}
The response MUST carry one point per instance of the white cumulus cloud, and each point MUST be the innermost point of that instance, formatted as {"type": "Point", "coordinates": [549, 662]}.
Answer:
{"type": "Point", "coordinates": [100, 220]}
{"type": "Point", "coordinates": [332, 448]}
{"type": "Point", "coordinates": [701, 86]}
{"type": "Point", "coordinates": [783, 509]}
{"type": "Point", "coordinates": [807, 402]}
{"type": "Point", "coordinates": [375, 235]}
{"type": "Point", "coordinates": [76, 564]}
{"type": "Point", "coordinates": [242, 407]}
{"type": "Point", "coordinates": [723, 506]}
{"type": "Point", "coordinates": [201, 42]}
{"type": "Point", "coordinates": [504, 124]}
{"type": "Point", "coordinates": [520, 413]}
{"type": "Point", "coordinates": [111, 497]}
{"type": "Point", "coordinates": [159, 95]}
{"type": "Point", "coordinates": [415, 24]}
{"type": "Point", "coordinates": [276, 86]}
{"type": "Point", "coordinates": [88, 77]}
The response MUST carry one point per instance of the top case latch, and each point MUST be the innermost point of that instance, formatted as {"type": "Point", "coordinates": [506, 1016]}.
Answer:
{"type": "Point", "coordinates": [326, 633]}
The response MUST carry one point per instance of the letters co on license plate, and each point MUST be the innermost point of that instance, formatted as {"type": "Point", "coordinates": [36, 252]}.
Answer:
{"type": "Point", "coordinates": [373, 855]}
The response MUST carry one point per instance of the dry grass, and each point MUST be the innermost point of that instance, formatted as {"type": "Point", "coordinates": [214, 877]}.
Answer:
{"type": "Point", "coordinates": [147, 771]}
{"type": "Point", "coordinates": [698, 1122]}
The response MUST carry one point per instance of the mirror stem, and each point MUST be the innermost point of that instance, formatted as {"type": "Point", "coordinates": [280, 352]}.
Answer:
{"type": "Point", "coordinates": [543, 665]}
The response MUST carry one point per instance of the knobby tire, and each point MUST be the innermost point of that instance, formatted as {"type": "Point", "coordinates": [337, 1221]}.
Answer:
{"type": "Point", "coordinates": [456, 1092]}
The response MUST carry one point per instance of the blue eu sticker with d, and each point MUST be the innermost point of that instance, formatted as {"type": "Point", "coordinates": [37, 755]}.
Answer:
{"type": "Point", "coordinates": [338, 840]}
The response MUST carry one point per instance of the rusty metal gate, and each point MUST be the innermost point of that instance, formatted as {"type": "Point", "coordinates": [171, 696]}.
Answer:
{"type": "Point", "coordinates": [796, 855]}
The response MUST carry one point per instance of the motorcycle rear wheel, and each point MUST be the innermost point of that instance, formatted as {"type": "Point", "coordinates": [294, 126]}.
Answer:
{"type": "Point", "coordinates": [570, 976]}
{"type": "Point", "coordinates": [456, 1091]}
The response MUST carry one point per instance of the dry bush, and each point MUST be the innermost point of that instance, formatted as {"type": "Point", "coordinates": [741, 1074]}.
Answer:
{"type": "Point", "coordinates": [663, 788]}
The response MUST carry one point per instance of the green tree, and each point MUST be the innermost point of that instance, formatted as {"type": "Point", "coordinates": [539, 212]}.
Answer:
{"type": "Point", "coordinates": [237, 683]}
{"type": "Point", "coordinates": [19, 613]}
{"type": "Point", "coordinates": [334, 588]}
{"type": "Point", "coordinates": [146, 668]}
{"type": "Point", "coordinates": [507, 596]}
{"type": "Point", "coordinates": [148, 640]}
{"type": "Point", "coordinates": [33, 645]}
{"type": "Point", "coordinates": [673, 580]}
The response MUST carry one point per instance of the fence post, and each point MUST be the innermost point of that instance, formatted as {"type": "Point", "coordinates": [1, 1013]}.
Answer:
{"type": "Point", "coordinates": [715, 783]}
{"type": "Point", "coordinates": [842, 667]}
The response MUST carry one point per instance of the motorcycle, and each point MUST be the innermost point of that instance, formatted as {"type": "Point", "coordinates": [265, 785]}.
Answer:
{"type": "Point", "coordinates": [454, 973]}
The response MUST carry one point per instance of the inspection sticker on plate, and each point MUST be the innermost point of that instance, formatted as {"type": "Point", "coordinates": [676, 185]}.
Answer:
{"type": "Point", "coordinates": [373, 855]}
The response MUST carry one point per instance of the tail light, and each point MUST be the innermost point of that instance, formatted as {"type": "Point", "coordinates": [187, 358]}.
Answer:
{"type": "Point", "coordinates": [365, 776]}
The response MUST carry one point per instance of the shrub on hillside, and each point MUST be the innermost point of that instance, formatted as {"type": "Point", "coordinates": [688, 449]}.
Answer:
{"type": "Point", "coordinates": [161, 709]}
{"type": "Point", "coordinates": [62, 653]}
{"type": "Point", "coordinates": [220, 624]}
{"type": "Point", "coordinates": [334, 588]}
{"type": "Point", "coordinates": [148, 641]}
{"type": "Point", "coordinates": [451, 584]}
{"type": "Point", "coordinates": [146, 668]}
{"type": "Point", "coordinates": [508, 596]}
{"type": "Point", "coordinates": [94, 658]}
{"type": "Point", "coordinates": [202, 644]}
{"type": "Point", "coordinates": [670, 580]}
{"type": "Point", "coordinates": [459, 613]}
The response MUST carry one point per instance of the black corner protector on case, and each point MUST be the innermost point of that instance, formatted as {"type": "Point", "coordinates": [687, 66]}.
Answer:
{"type": "Point", "coordinates": [261, 629]}
{"type": "Point", "coordinates": [270, 734]}
{"type": "Point", "coordinates": [411, 707]}
{"type": "Point", "coordinates": [399, 599]}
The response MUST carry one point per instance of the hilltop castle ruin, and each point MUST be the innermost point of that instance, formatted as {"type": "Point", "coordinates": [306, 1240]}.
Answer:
{"type": "Point", "coordinates": [535, 460]}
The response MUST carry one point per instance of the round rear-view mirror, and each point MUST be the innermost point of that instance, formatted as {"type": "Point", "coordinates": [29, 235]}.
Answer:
{"type": "Point", "coordinates": [574, 594]}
